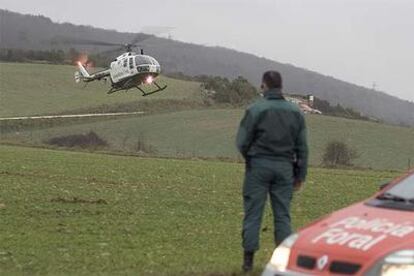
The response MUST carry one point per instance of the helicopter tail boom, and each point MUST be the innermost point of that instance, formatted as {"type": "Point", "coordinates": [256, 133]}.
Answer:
{"type": "Point", "coordinates": [83, 74]}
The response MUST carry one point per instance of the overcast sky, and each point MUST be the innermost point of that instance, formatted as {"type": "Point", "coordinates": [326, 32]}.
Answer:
{"type": "Point", "coordinates": [361, 41]}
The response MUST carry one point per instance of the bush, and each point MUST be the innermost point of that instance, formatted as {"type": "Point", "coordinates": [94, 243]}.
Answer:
{"type": "Point", "coordinates": [142, 147]}
{"type": "Point", "coordinates": [85, 141]}
{"type": "Point", "coordinates": [338, 154]}
{"type": "Point", "coordinates": [221, 90]}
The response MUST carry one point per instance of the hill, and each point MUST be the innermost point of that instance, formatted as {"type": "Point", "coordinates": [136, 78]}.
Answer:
{"type": "Point", "coordinates": [211, 133]}
{"type": "Point", "coordinates": [38, 32]}
{"type": "Point", "coordinates": [176, 123]}
{"type": "Point", "coordinates": [37, 89]}
{"type": "Point", "coordinates": [70, 213]}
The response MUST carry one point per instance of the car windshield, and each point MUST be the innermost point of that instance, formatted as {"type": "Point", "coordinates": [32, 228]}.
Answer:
{"type": "Point", "coordinates": [404, 189]}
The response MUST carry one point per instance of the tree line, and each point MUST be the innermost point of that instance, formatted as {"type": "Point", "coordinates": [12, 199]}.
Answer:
{"type": "Point", "coordinates": [339, 111]}
{"type": "Point", "coordinates": [48, 56]}
{"type": "Point", "coordinates": [240, 91]}
{"type": "Point", "coordinates": [19, 55]}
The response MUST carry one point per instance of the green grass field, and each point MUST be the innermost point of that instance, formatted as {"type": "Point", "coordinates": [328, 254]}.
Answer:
{"type": "Point", "coordinates": [210, 133]}
{"type": "Point", "coordinates": [29, 89]}
{"type": "Point", "coordinates": [35, 89]}
{"type": "Point", "coordinates": [74, 213]}
{"type": "Point", "coordinates": [69, 213]}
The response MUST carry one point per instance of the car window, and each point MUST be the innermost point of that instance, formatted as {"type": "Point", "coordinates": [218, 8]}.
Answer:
{"type": "Point", "coordinates": [404, 189]}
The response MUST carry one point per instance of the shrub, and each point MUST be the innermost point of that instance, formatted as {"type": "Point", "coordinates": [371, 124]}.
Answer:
{"type": "Point", "coordinates": [142, 147]}
{"type": "Point", "coordinates": [86, 141]}
{"type": "Point", "coordinates": [236, 92]}
{"type": "Point", "coordinates": [338, 154]}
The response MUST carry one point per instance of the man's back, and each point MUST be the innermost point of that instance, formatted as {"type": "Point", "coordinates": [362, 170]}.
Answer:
{"type": "Point", "coordinates": [273, 129]}
{"type": "Point", "coordinates": [278, 126]}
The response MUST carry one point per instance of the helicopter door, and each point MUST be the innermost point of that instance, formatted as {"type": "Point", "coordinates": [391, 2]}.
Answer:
{"type": "Point", "coordinates": [119, 70]}
{"type": "Point", "coordinates": [131, 66]}
{"type": "Point", "coordinates": [124, 68]}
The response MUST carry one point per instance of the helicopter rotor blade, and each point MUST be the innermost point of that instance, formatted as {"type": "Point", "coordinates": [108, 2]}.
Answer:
{"type": "Point", "coordinates": [111, 51]}
{"type": "Point", "coordinates": [78, 41]}
{"type": "Point", "coordinates": [120, 47]}
{"type": "Point", "coordinates": [139, 38]}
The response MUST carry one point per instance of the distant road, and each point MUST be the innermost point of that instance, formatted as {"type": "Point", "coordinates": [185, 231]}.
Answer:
{"type": "Point", "coordinates": [73, 116]}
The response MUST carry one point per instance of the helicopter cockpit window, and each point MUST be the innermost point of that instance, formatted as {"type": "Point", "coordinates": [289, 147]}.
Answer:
{"type": "Point", "coordinates": [153, 61]}
{"type": "Point", "coordinates": [142, 60]}
{"type": "Point", "coordinates": [125, 62]}
{"type": "Point", "coordinates": [131, 63]}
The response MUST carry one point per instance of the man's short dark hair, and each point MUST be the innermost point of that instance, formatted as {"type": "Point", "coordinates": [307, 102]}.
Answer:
{"type": "Point", "coordinates": [272, 79]}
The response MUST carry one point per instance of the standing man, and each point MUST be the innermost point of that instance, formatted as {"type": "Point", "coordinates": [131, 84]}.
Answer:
{"type": "Point", "coordinates": [272, 140]}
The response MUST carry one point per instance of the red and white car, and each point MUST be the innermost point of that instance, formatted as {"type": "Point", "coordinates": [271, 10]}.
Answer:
{"type": "Point", "coordinates": [372, 237]}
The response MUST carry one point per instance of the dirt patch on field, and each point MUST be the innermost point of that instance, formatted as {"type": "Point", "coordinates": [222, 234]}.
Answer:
{"type": "Point", "coordinates": [76, 200]}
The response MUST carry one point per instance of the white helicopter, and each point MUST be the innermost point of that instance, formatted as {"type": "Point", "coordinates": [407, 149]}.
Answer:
{"type": "Point", "coordinates": [129, 70]}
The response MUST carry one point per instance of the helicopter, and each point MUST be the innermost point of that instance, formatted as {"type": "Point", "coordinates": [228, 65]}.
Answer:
{"type": "Point", "coordinates": [127, 71]}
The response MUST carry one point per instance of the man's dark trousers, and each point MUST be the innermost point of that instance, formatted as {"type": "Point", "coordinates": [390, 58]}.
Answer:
{"type": "Point", "coordinates": [262, 178]}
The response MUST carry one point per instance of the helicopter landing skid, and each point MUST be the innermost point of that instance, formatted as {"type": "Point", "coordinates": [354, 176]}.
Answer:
{"type": "Point", "coordinates": [113, 90]}
{"type": "Point", "coordinates": [159, 89]}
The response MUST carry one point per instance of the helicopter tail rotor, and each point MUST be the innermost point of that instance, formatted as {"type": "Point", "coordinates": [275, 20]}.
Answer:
{"type": "Point", "coordinates": [82, 74]}
{"type": "Point", "coordinates": [83, 71]}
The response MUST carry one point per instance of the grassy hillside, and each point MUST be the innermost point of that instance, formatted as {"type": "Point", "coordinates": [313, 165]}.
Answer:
{"type": "Point", "coordinates": [87, 214]}
{"type": "Point", "coordinates": [29, 89]}
{"type": "Point", "coordinates": [38, 32]}
{"type": "Point", "coordinates": [210, 133]}
{"type": "Point", "coordinates": [34, 89]}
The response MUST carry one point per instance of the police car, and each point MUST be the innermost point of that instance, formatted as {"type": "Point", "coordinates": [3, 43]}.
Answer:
{"type": "Point", "coordinates": [373, 237]}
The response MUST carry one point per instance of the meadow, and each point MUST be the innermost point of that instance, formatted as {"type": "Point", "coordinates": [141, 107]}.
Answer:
{"type": "Point", "coordinates": [39, 89]}
{"type": "Point", "coordinates": [211, 133]}
{"type": "Point", "coordinates": [177, 123]}
{"type": "Point", "coordinates": [73, 213]}
{"type": "Point", "coordinates": [70, 212]}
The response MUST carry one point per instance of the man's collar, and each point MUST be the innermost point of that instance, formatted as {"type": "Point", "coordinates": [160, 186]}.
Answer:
{"type": "Point", "coordinates": [275, 93]}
